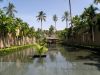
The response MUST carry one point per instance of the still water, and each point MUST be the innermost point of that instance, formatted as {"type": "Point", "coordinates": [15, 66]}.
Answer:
{"type": "Point", "coordinates": [59, 61]}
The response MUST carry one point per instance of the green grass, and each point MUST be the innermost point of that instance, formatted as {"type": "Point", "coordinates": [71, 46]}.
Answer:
{"type": "Point", "coordinates": [6, 51]}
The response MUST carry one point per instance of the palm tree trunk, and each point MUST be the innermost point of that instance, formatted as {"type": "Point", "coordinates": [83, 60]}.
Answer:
{"type": "Point", "coordinates": [66, 23]}
{"type": "Point", "coordinates": [83, 37]}
{"type": "Point", "coordinates": [41, 25]}
{"type": "Point", "coordinates": [55, 26]}
{"type": "Point", "coordinates": [70, 12]}
{"type": "Point", "coordinates": [92, 34]}
{"type": "Point", "coordinates": [1, 42]}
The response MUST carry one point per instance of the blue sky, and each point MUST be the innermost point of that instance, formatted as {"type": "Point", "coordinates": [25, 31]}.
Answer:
{"type": "Point", "coordinates": [28, 10]}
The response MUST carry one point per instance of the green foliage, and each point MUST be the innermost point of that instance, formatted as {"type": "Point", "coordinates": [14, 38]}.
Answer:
{"type": "Point", "coordinates": [51, 30]}
{"type": "Point", "coordinates": [6, 51]}
{"type": "Point", "coordinates": [9, 24]}
{"type": "Point", "coordinates": [40, 49]}
{"type": "Point", "coordinates": [86, 23]}
{"type": "Point", "coordinates": [63, 34]}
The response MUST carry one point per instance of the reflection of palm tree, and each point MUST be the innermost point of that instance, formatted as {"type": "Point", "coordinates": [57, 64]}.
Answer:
{"type": "Point", "coordinates": [10, 9]}
{"type": "Point", "coordinates": [41, 17]}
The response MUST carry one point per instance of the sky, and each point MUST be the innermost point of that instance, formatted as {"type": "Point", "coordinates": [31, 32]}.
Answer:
{"type": "Point", "coordinates": [28, 10]}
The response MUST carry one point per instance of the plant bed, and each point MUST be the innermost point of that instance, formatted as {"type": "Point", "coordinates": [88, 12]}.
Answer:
{"type": "Point", "coordinates": [12, 49]}
{"type": "Point", "coordinates": [40, 51]}
{"type": "Point", "coordinates": [39, 56]}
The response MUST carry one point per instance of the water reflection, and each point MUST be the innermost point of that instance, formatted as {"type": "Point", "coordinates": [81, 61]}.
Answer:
{"type": "Point", "coordinates": [22, 56]}
{"type": "Point", "coordinates": [59, 61]}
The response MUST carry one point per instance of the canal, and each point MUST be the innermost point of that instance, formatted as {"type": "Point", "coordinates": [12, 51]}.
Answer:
{"type": "Point", "coordinates": [59, 61]}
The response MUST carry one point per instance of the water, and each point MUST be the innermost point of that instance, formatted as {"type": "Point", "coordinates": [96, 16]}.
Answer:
{"type": "Point", "coordinates": [59, 61]}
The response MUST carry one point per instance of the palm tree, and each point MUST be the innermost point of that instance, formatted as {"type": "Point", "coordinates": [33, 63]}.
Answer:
{"type": "Point", "coordinates": [41, 17]}
{"type": "Point", "coordinates": [89, 14]}
{"type": "Point", "coordinates": [55, 19]}
{"type": "Point", "coordinates": [65, 17]}
{"type": "Point", "coordinates": [96, 1]}
{"type": "Point", "coordinates": [70, 12]}
{"type": "Point", "coordinates": [10, 9]}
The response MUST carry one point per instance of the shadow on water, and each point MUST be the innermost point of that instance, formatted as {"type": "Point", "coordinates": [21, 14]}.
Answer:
{"type": "Point", "coordinates": [22, 56]}
{"type": "Point", "coordinates": [93, 56]}
{"type": "Point", "coordinates": [78, 55]}
{"type": "Point", "coordinates": [94, 64]}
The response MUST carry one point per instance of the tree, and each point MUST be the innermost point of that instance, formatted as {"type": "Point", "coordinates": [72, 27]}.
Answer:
{"type": "Point", "coordinates": [70, 12]}
{"type": "Point", "coordinates": [51, 30]}
{"type": "Point", "coordinates": [89, 15]}
{"type": "Point", "coordinates": [10, 9]}
{"type": "Point", "coordinates": [41, 17]}
{"type": "Point", "coordinates": [13, 31]}
{"type": "Point", "coordinates": [65, 18]}
{"type": "Point", "coordinates": [55, 19]}
{"type": "Point", "coordinates": [38, 35]}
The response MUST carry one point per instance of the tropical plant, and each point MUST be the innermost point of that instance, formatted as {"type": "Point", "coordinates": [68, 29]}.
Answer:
{"type": "Point", "coordinates": [51, 30]}
{"type": "Point", "coordinates": [70, 12]}
{"type": "Point", "coordinates": [65, 18]}
{"type": "Point", "coordinates": [89, 15]}
{"type": "Point", "coordinates": [55, 19]}
{"type": "Point", "coordinates": [63, 34]}
{"type": "Point", "coordinates": [41, 17]}
{"type": "Point", "coordinates": [40, 49]}
{"type": "Point", "coordinates": [10, 9]}
{"type": "Point", "coordinates": [14, 31]}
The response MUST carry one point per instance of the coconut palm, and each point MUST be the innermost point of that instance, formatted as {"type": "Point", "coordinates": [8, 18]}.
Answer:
{"type": "Point", "coordinates": [41, 17]}
{"type": "Point", "coordinates": [70, 12]}
{"type": "Point", "coordinates": [89, 15]}
{"type": "Point", "coordinates": [10, 9]}
{"type": "Point", "coordinates": [55, 19]}
{"type": "Point", "coordinates": [65, 17]}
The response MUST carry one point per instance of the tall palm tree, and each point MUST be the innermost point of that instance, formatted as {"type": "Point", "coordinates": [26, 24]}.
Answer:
{"type": "Point", "coordinates": [55, 19]}
{"type": "Point", "coordinates": [90, 14]}
{"type": "Point", "coordinates": [70, 12]}
{"type": "Point", "coordinates": [65, 17]}
{"type": "Point", "coordinates": [10, 9]}
{"type": "Point", "coordinates": [41, 17]}
{"type": "Point", "coordinates": [96, 1]}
